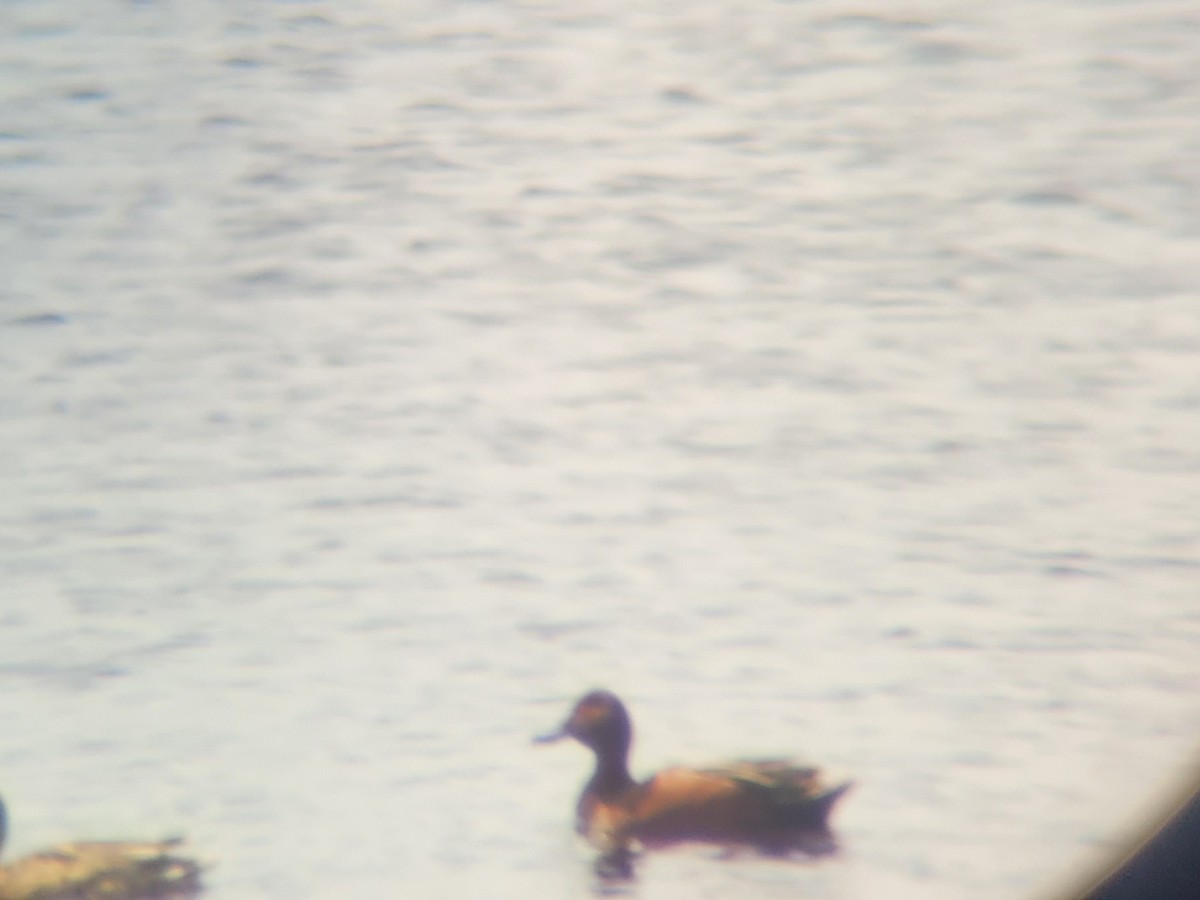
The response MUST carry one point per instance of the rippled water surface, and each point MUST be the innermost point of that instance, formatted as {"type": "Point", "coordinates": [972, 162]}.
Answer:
{"type": "Point", "coordinates": [824, 377]}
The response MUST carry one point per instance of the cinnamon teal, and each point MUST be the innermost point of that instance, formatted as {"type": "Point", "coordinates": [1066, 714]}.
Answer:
{"type": "Point", "coordinates": [773, 805]}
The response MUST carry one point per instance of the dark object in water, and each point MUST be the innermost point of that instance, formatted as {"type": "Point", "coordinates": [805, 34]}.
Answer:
{"type": "Point", "coordinates": [100, 870]}
{"type": "Point", "coordinates": [774, 806]}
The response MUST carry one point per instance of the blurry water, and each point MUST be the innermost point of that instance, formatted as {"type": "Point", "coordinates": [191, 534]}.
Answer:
{"type": "Point", "coordinates": [822, 376]}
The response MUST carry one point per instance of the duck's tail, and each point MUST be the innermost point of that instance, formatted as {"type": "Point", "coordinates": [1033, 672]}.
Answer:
{"type": "Point", "coordinates": [827, 800]}
{"type": "Point", "coordinates": [814, 812]}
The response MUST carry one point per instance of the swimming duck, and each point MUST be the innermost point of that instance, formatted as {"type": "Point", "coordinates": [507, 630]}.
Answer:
{"type": "Point", "coordinates": [774, 805]}
{"type": "Point", "coordinates": [99, 870]}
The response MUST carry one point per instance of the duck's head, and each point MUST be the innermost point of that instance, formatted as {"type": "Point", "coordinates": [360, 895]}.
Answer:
{"type": "Point", "coordinates": [598, 721]}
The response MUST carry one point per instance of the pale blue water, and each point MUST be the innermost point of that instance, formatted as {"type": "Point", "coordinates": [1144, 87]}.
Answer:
{"type": "Point", "coordinates": [823, 377]}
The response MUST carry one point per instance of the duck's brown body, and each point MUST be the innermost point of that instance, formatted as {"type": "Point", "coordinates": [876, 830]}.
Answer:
{"type": "Point", "coordinates": [771, 804]}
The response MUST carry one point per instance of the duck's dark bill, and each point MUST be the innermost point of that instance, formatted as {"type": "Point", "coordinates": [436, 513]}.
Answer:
{"type": "Point", "coordinates": [550, 737]}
